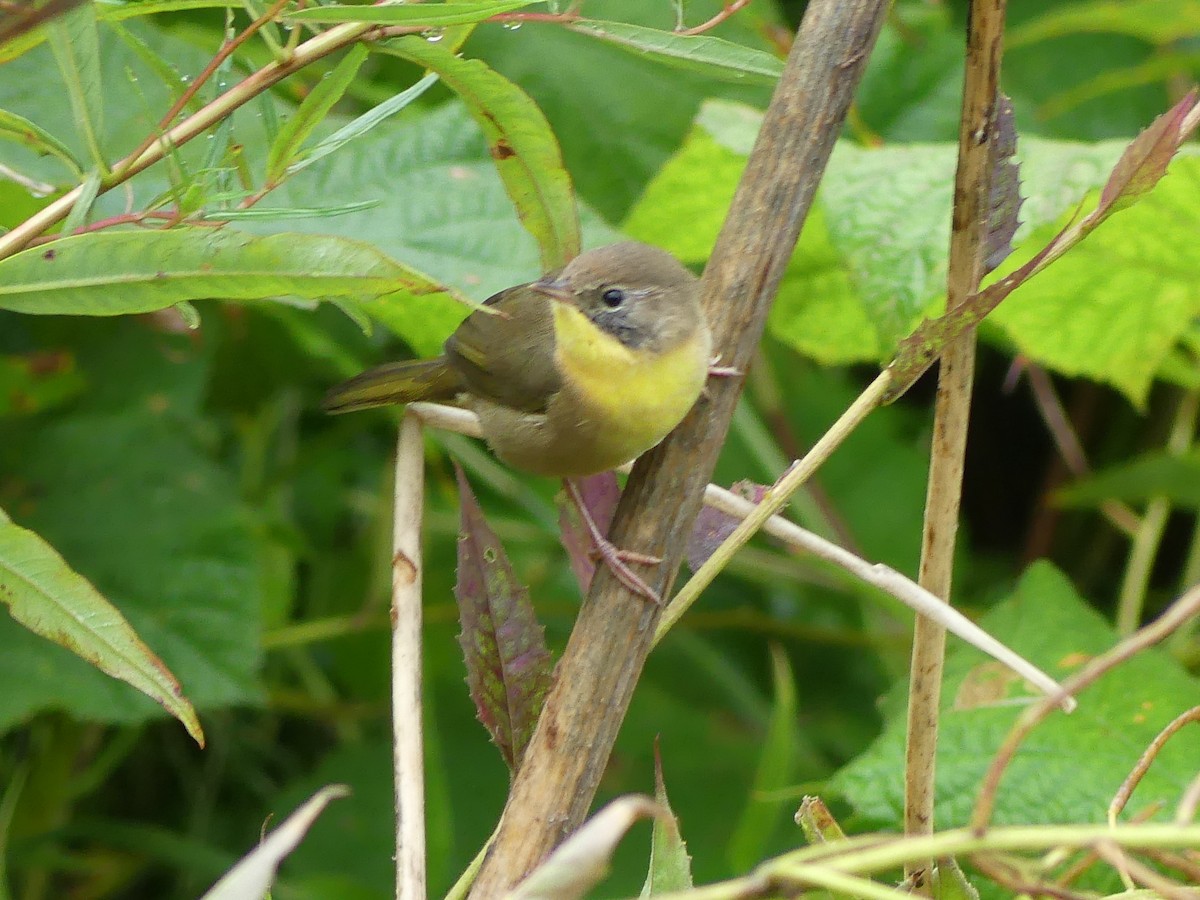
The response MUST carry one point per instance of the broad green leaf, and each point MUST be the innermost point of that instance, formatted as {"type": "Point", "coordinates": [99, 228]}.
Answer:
{"type": "Point", "coordinates": [1112, 308]}
{"type": "Point", "coordinates": [433, 15]}
{"type": "Point", "coordinates": [312, 111]}
{"type": "Point", "coordinates": [1137, 481]}
{"type": "Point", "coordinates": [45, 595]}
{"type": "Point", "coordinates": [765, 804]}
{"type": "Point", "coordinates": [111, 273]}
{"type": "Point", "coordinates": [1050, 779]}
{"type": "Point", "coordinates": [77, 49]}
{"type": "Point", "coordinates": [30, 134]}
{"type": "Point", "coordinates": [503, 644]}
{"type": "Point", "coordinates": [521, 143]}
{"type": "Point", "coordinates": [118, 10]}
{"type": "Point", "coordinates": [712, 55]}
{"type": "Point", "coordinates": [1155, 21]}
{"type": "Point", "coordinates": [127, 492]}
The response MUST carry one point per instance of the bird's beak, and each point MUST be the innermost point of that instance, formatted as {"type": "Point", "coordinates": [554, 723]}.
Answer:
{"type": "Point", "coordinates": [555, 289]}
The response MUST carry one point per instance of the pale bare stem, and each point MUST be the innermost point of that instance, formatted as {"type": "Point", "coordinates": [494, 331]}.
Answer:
{"type": "Point", "coordinates": [951, 416]}
{"type": "Point", "coordinates": [1118, 514]}
{"type": "Point", "coordinates": [1125, 791]}
{"type": "Point", "coordinates": [778, 495]}
{"type": "Point", "coordinates": [1189, 803]}
{"type": "Point", "coordinates": [407, 747]}
{"type": "Point", "coordinates": [1007, 875]}
{"type": "Point", "coordinates": [1175, 615]}
{"type": "Point", "coordinates": [888, 580]}
{"type": "Point", "coordinates": [1135, 872]}
{"type": "Point", "coordinates": [194, 125]}
{"type": "Point", "coordinates": [1132, 598]}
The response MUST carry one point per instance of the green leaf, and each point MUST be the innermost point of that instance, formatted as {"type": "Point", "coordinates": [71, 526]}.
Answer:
{"type": "Point", "coordinates": [362, 124]}
{"type": "Point", "coordinates": [504, 646]}
{"type": "Point", "coordinates": [115, 273]}
{"type": "Point", "coordinates": [312, 111]}
{"type": "Point", "coordinates": [430, 15]}
{"type": "Point", "coordinates": [714, 56]}
{"type": "Point", "coordinates": [119, 10]}
{"type": "Point", "coordinates": [29, 134]}
{"type": "Point", "coordinates": [1114, 306]}
{"type": "Point", "coordinates": [1049, 780]}
{"type": "Point", "coordinates": [1139, 480]}
{"type": "Point", "coordinates": [127, 493]}
{"type": "Point", "coordinates": [76, 46]}
{"type": "Point", "coordinates": [1155, 21]}
{"type": "Point", "coordinates": [521, 143]}
{"type": "Point", "coordinates": [764, 806]}
{"type": "Point", "coordinates": [670, 866]}
{"type": "Point", "coordinates": [45, 595]}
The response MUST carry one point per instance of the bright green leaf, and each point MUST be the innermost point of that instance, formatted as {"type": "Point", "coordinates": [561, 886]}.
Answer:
{"type": "Point", "coordinates": [714, 56]}
{"type": "Point", "coordinates": [45, 595]}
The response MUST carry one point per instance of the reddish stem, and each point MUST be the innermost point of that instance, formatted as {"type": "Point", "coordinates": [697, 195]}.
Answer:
{"type": "Point", "coordinates": [729, 10]}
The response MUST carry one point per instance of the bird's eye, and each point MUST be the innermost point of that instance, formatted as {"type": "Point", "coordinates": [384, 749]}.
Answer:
{"type": "Point", "coordinates": [613, 297]}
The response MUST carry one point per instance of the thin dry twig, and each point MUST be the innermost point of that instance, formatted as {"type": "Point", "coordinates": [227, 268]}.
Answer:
{"type": "Point", "coordinates": [1137, 871]}
{"type": "Point", "coordinates": [972, 188]}
{"type": "Point", "coordinates": [608, 646]}
{"type": "Point", "coordinates": [1175, 615]}
{"type": "Point", "coordinates": [407, 743]}
{"type": "Point", "coordinates": [1189, 802]}
{"type": "Point", "coordinates": [1133, 779]}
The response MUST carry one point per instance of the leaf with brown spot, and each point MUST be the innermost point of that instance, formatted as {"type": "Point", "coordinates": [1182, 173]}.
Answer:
{"type": "Point", "coordinates": [525, 149]}
{"type": "Point", "coordinates": [504, 646]}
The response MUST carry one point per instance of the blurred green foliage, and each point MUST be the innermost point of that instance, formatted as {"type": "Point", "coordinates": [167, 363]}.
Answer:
{"type": "Point", "coordinates": [189, 474]}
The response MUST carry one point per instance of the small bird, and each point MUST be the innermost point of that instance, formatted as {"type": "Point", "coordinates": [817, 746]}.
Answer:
{"type": "Point", "coordinates": [573, 374]}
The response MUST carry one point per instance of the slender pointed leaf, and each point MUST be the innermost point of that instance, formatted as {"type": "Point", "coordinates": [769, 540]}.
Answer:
{"type": "Point", "coordinates": [524, 148]}
{"type": "Point", "coordinates": [76, 45]}
{"type": "Point", "coordinates": [362, 124]}
{"type": "Point", "coordinates": [22, 131]}
{"type": "Point", "coordinates": [49, 598]}
{"type": "Point", "coordinates": [702, 52]}
{"type": "Point", "coordinates": [504, 647]}
{"type": "Point", "coordinates": [312, 111]}
{"type": "Point", "coordinates": [433, 15]}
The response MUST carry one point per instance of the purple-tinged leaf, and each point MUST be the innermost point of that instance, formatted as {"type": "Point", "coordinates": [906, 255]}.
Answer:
{"type": "Point", "coordinates": [1144, 162]}
{"type": "Point", "coordinates": [600, 495]}
{"type": "Point", "coordinates": [1004, 200]}
{"type": "Point", "coordinates": [504, 646]}
{"type": "Point", "coordinates": [713, 526]}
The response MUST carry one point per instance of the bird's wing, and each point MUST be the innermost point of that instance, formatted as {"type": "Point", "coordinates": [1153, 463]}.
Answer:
{"type": "Point", "coordinates": [507, 356]}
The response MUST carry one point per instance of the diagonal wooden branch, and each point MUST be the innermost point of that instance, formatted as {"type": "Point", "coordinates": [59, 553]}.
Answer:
{"type": "Point", "coordinates": [555, 786]}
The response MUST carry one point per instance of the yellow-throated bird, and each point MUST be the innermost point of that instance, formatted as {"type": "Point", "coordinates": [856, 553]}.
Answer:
{"type": "Point", "coordinates": [573, 374]}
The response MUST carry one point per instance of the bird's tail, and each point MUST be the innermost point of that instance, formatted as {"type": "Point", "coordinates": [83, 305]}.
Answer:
{"type": "Point", "coordinates": [393, 383]}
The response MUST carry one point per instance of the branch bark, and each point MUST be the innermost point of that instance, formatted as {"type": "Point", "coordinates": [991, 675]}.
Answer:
{"type": "Point", "coordinates": [976, 138]}
{"type": "Point", "coordinates": [557, 782]}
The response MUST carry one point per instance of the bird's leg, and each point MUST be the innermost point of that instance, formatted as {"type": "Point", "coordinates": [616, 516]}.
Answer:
{"type": "Point", "coordinates": [614, 557]}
